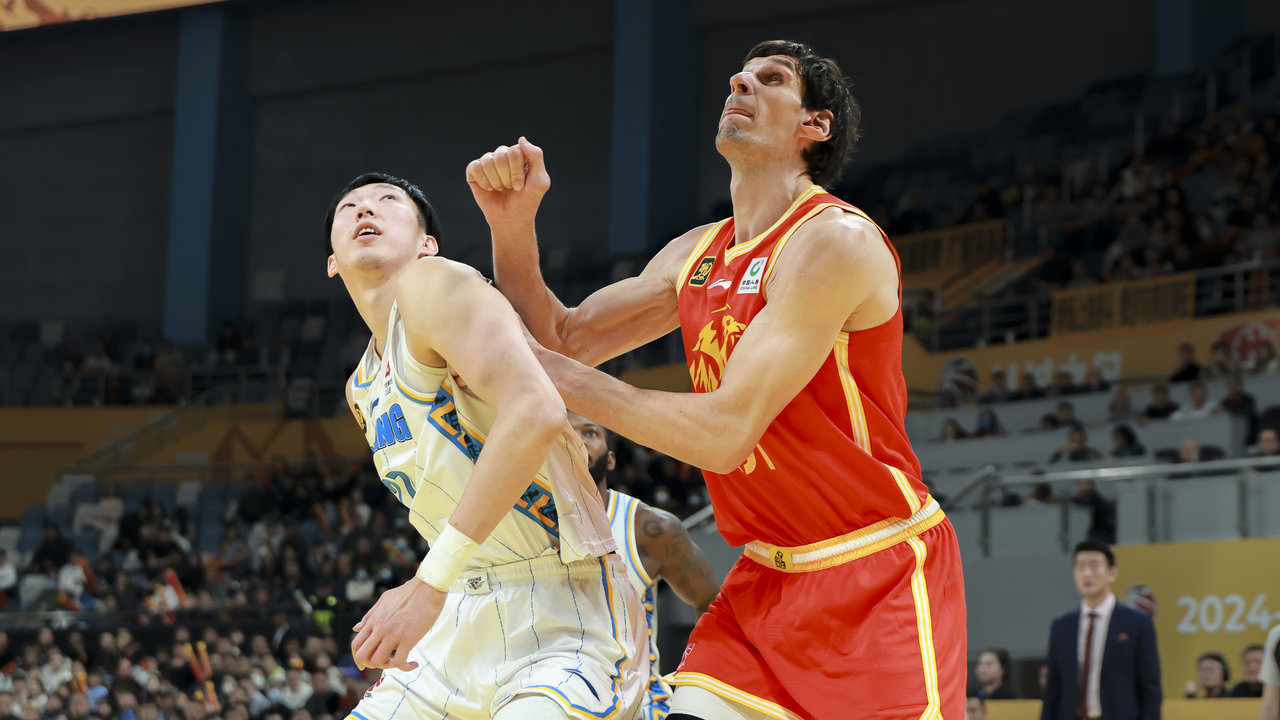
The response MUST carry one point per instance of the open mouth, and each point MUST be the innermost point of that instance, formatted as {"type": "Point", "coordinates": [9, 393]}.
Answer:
{"type": "Point", "coordinates": [366, 230]}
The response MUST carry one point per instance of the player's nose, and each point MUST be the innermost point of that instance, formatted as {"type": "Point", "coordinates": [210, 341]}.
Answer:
{"type": "Point", "coordinates": [740, 83]}
{"type": "Point", "coordinates": [364, 209]}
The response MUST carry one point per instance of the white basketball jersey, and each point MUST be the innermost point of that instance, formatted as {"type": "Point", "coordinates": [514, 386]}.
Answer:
{"type": "Point", "coordinates": [622, 523]}
{"type": "Point", "coordinates": [426, 434]}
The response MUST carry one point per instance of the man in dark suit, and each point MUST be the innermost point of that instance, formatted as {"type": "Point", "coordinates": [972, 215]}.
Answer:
{"type": "Point", "coordinates": [1102, 655]}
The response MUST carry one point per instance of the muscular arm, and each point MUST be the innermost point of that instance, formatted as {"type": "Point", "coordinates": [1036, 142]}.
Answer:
{"type": "Point", "coordinates": [451, 313]}
{"type": "Point", "coordinates": [611, 321]}
{"type": "Point", "coordinates": [835, 271]}
{"type": "Point", "coordinates": [508, 185]}
{"type": "Point", "coordinates": [667, 551]}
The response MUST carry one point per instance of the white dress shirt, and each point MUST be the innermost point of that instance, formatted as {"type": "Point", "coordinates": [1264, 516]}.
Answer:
{"type": "Point", "coordinates": [1093, 696]}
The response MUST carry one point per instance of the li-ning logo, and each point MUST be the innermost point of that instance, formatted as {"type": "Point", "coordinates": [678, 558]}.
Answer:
{"type": "Point", "coordinates": [780, 560]}
{"type": "Point", "coordinates": [750, 282]}
{"type": "Point", "coordinates": [699, 276]}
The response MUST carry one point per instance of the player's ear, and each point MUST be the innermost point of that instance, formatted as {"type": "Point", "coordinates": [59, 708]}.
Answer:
{"type": "Point", "coordinates": [429, 246]}
{"type": "Point", "coordinates": [332, 266]}
{"type": "Point", "coordinates": [612, 462]}
{"type": "Point", "coordinates": [818, 127]}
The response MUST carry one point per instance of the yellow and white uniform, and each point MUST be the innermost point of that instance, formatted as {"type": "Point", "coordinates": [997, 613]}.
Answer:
{"type": "Point", "coordinates": [544, 606]}
{"type": "Point", "coordinates": [622, 522]}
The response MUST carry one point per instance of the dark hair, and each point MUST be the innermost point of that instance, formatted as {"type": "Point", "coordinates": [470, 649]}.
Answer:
{"type": "Point", "coordinates": [1126, 432]}
{"type": "Point", "coordinates": [1217, 657]}
{"type": "Point", "coordinates": [1095, 546]}
{"type": "Point", "coordinates": [426, 214]}
{"type": "Point", "coordinates": [1002, 657]}
{"type": "Point", "coordinates": [1066, 405]}
{"type": "Point", "coordinates": [1198, 384]}
{"type": "Point", "coordinates": [1250, 648]}
{"type": "Point", "coordinates": [825, 88]}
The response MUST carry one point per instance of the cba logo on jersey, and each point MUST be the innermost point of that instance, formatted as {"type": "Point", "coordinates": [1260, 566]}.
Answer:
{"type": "Point", "coordinates": [711, 352]}
{"type": "Point", "coordinates": [700, 275]}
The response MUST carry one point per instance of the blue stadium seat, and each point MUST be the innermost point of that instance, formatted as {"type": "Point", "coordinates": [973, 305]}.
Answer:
{"type": "Point", "coordinates": [61, 514]}
{"type": "Point", "coordinates": [87, 542]}
{"type": "Point", "coordinates": [165, 495]}
{"type": "Point", "coordinates": [135, 495]}
{"type": "Point", "coordinates": [88, 492]}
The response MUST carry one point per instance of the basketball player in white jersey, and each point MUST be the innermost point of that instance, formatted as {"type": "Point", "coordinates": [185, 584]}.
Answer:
{"type": "Point", "coordinates": [654, 544]}
{"type": "Point", "coordinates": [520, 609]}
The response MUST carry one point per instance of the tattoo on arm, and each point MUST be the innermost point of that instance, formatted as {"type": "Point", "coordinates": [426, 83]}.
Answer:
{"type": "Point", "coordinates": [678, 559]}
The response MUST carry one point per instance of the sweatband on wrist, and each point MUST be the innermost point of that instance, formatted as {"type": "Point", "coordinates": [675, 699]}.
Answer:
{"type": "Point", "coordinates": [448, 555]}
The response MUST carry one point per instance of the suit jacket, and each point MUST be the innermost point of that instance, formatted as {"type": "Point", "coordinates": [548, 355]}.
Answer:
{"type": "Point", "coordinates": [1130, 676]}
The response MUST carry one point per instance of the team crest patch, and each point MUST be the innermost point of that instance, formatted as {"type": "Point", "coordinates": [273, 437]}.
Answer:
{"type": "Point", "coordinates": [750, 282]}
{"type": "Point", "coordinates": [703, 271]}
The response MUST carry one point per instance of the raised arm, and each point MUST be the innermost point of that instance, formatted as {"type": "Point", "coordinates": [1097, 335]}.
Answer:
{"type": "Point", "coordinates": [836, 270]}
{"type": "Point", "coordinates": [450, 312]}
{"type": "Point", "coordinates": [669, 552]}
{"type": "Point", "coordinates": [508, 185]}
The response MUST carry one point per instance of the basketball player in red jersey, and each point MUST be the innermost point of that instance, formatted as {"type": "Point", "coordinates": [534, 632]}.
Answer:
{"type": "Point", "coordinates": [849, 600]}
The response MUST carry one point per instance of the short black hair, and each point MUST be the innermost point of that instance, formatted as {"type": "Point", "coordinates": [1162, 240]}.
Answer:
{"type": "Point", "coordinates": [427, 219]}
{"type": "Point", "coordinates": [1095, 546]}
{"type": "Point", "coordinates": [1218, 658]}
{"type": "Point", "coordinates": [825, 88]}
{"type": "Point", "coordinates": [1002, 658]}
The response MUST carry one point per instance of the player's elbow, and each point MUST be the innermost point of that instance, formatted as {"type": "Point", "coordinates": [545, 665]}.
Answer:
{"type": "Point", "coordinates": [731, 453]}
{"type": "Point", "coordinates": [541, 416]}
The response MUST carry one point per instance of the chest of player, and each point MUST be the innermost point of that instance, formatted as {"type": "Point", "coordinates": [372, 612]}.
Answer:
{"type": "Point", "coordinates": [724, 292]}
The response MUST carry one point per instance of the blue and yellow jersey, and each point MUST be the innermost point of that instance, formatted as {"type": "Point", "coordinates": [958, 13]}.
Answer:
{"type": "Point", "coordinates": [622, 522]}
{"type": "Point", "coordinates": [426, 434]}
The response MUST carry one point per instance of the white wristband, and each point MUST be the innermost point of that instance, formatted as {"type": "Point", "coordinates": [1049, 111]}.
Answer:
{"type": "Point", "coordinates": [448, 555]}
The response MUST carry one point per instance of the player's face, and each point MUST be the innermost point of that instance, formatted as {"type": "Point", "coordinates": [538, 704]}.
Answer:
{"type": "Point", "coordinates": [765, 106]}
{"type": "Point", "coordinates": [599, 457]}
{"type": "Point", "coordinates": [376, 226]}
{"type": "Point", "coordinates": [1092, 574]}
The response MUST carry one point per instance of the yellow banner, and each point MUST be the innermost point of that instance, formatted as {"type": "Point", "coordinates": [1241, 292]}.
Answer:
{"type": "Point", "coordinates": [956, 247]}
{"type": "Point", "coordinates": [1125, 305]}
{"type": "Point", "coordinates": [1219, 596]}
{"type": "Point", "coordinates": [1173, 709]}
{"type": "Point", "coordinates": [19, 15]}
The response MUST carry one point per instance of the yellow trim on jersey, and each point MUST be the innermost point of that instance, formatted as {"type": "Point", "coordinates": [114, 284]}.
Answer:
{"type": "Point", "coordinates": [913, 500]}
{"type": "Point", "coordinates": [731, 693]}
{"type": "Point", "coordinates": [924, 625]}
{"type": "Point", "coordinates": [777, 248]}
{"type": "Point", "coordinates": [633, 546]}
{"type": "Point", "coordinates": [738, 250]}
{"type": "Point", "coordinates": [848, 547]}
{"type": "Point", "coordinates": [696, 255]}
{"type": "Point", "coordinates": [852, 397]}
{"type": "Point", "coordinates": [858, 418]}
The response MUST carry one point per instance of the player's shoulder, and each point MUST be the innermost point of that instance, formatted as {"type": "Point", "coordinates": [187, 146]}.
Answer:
{"type": "Point", "coordinates": [434, 272]}
{"type": "Point", "coordinates": [655, 523]}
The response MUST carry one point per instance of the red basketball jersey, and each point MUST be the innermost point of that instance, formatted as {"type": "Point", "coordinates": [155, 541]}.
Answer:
{"type": "Point", "coordinates": [837, 458]}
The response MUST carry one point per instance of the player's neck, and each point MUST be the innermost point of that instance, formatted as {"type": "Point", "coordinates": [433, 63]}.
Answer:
{"type": "Point", "coordinates": [761, 195]}
{"type": "Point", "coordinates": [373, 302]}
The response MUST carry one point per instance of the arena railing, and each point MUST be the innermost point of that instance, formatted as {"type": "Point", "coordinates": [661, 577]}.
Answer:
{"type": "Point", "coordinates": [1226, 290]}
{"type": "Point", "coordinates": [1239, 476]}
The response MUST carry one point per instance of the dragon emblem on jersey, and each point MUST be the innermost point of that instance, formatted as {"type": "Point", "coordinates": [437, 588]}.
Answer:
{"type": "Point", "coordinates": [711, 351]}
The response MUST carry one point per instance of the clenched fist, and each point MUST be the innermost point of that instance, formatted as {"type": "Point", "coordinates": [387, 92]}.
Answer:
{"type": "Point", "coordinates": [508, 183]}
